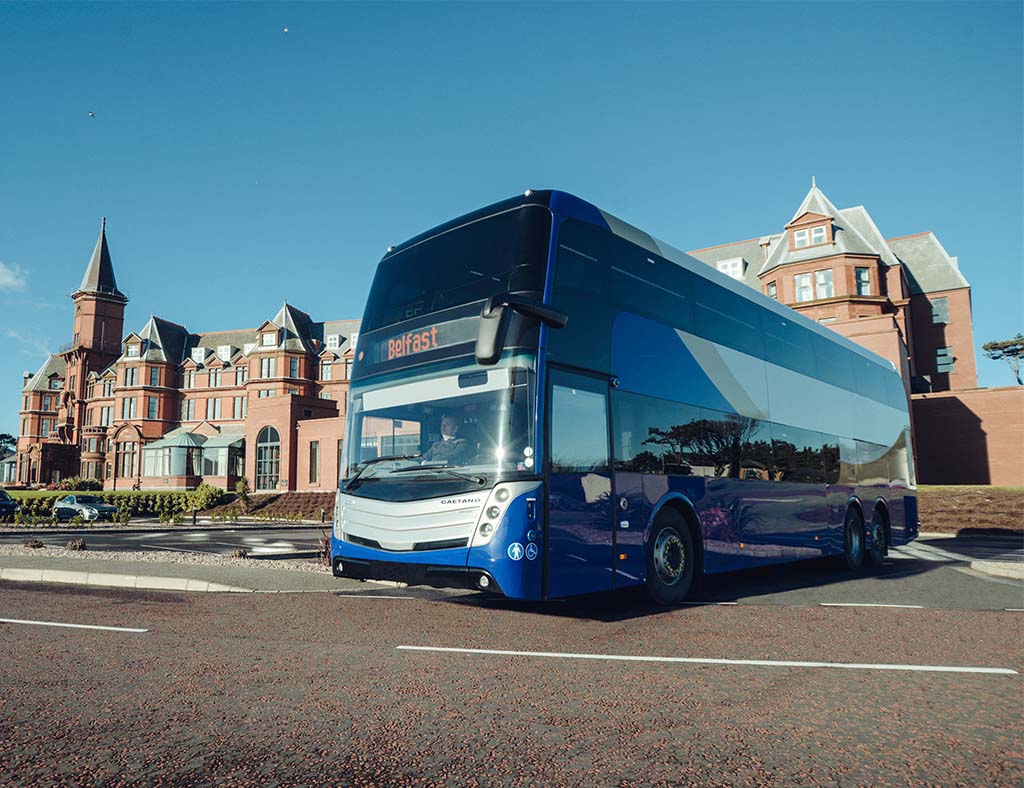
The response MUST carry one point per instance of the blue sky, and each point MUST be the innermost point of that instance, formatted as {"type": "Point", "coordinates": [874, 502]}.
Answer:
{"type": "Point", "coordinates": [240, 165]}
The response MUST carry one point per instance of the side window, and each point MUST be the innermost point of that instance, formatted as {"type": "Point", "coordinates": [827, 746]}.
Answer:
{"type": "Point", "coordinates": [579, 424]}
{"type": "Point", "coordinates": [830, 458]}
{"type": "Point", "coordinates": [789, 345]}
{"type": "Point", "coordinates": [727, 318]}
{"type": "Point", "coordinates": [655, 436]}
{"type": "Point", "coordinates": [734, 446]}
{"type": "Point", "coordinates": [797, 455]}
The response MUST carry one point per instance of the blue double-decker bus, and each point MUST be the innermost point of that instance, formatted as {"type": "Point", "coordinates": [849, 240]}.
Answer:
{"type": "Point", "coordinates": [547, 401]}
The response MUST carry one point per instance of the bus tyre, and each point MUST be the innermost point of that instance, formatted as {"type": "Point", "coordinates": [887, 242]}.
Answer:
{"type": "Point", "coordinates": [879, 544]}
{"type": "Point", "coordinates": [853, 539]}
{"type": "Point", "coordinates": [670, 559]}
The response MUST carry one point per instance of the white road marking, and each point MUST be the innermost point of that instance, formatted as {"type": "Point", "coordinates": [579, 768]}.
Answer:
{"type": "Point", "coordinates": [70, 626]}
{"type": "Point", "coordinates": [867, 604]}
{"type": "Point", "coordinates": [1013, 609]}
{"type": "Point", "coordinates": [703, 604]}
{"type": "Point", "coordinates": [356, 595]}
{"type": "Point", "coordinates": [178, 549]}
{"type": "Point", "coordinates": [769, 663]}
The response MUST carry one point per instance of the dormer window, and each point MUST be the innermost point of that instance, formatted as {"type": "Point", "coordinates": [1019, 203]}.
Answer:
{"type": "Point", "coordinates": [810, 236]}
{"type": "Point", "coordinates": [332, 341]}
{"type": "Point", "coordinates": [733, 267]}
{"type": "Point", "coordinates": [133, 350]}
{"type": "Point", "coordinates": [801, 238]}
{"type": "Point", "coordinates": [198, 354]}
{"type": "Point", "coordinates": [268, 339]}
{"type": "Point", "coordinates": [224, 352]}
{"type": "Point", "coordinates": [818, 235]}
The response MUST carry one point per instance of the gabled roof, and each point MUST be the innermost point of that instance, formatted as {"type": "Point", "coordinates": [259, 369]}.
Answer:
{"type": "Point", "coordinates": [54, 365]}
{"type": "Point", "coordinates": [929, 266]}
{"type": "Point", "coordinates": [845, 236]}
{"type": "Point", "coordinates": [99, 274]}
{"type": "Point", "coordinates": [296, 325]}
{"type": "Point", "coordinates": [346, 329]}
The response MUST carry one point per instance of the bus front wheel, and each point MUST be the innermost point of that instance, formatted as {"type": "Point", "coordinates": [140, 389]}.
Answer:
{"type": "Point", "coordinates": [853, 539]}
{"type": "Point", "coordinates": [670, 559]}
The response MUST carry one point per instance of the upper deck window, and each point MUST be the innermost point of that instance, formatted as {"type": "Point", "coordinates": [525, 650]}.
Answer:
{"type": "Point", "coordinates": [500, 253]}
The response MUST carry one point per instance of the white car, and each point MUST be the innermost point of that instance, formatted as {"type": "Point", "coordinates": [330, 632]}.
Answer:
{"type": "Point", "coordinates": [89, 507]}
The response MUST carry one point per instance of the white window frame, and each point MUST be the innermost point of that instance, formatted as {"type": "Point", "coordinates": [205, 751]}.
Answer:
{"type": "Point", "coordinates": [732, 268]}
{"type": "Point", "coordinates": [819, 235]}
{"type": "Point", "coordinates": [821, 283]}
{"type": "Point", "coordinates": [333, 341]}
{"type": "Point", "coordinates": [863, 285]}
{"type": "Point", "coordinates": [809, 279]}
{"type": "Point", "coordinates": [132, 350]}
{"type": "Point", "coordinates": [801, 238]}
{"type": "Point", "coordinates": [268, 339]}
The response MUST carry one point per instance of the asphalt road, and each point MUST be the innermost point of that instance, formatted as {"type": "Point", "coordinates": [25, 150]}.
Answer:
{"type": "Point", "coordinates": [320, 689]}
{"type": "Point", "coordinates": [258, 542]}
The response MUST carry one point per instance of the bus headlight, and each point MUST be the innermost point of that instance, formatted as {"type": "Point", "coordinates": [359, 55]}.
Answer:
{"type": "Point", "coordinates": [494, 512]}
{"type": "Point", "coordinates": [486, 530]}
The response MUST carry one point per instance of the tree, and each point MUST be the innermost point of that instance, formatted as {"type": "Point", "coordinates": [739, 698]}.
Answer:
{"type": "Point", "coordinates": [1012, 350]}
{"type": "Point", "coordinates": [7, 442]}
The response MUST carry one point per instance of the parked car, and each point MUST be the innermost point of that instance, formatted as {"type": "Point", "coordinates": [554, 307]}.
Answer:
{"type": "Point", "coordinates": [8, 506]}
{"type": "Point", "coordinates": [89, 507]}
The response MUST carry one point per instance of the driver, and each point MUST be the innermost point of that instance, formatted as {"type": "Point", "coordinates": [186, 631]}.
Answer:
{"type": "Point", "coordinates": [450, 449]}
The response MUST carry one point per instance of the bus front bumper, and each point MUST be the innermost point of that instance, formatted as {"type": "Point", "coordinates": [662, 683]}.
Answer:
{"type": "Point", "coordinates": [436, 576]}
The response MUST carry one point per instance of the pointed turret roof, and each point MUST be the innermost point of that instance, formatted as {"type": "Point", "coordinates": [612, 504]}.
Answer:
{"type": "Point", "coordinates": [99, 275]}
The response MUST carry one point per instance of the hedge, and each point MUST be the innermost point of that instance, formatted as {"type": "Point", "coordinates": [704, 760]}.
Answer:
{"type": "Point", "coordinates": [39, 503]}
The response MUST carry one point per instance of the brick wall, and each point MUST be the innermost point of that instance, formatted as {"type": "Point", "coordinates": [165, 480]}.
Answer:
{"type": "Point", "coordinates": [970, 437]}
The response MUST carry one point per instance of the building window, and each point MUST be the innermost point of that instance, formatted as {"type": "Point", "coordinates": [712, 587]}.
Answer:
{"type": "Point", "coordinates": [44, 430]}
{"type": "Point", "coordinates": [940, 310]}
{"type": "Point", "coordinates": [131, 376]}
{"type": "Point", "coordinates": [151, 406]}
{"type": "Point", "coordinates": [128, 408]}
{"type": "Point", "coordinates": [190, 379]}
{"type": "Point", "coordinates": [133, 351]}
{"type": "Point", "coordinates": [25, 401]}
{"type": "Point", "coordinates": [214, 378]}
{"type": "Point", "coordinates": [801, 238]}
{"type": "Point", "coordinates": [106, 415]}
{"type": "Point", "coordinates": [314, 462]}
{"type": "Point", "coordinates": [944, 360]}
{"type": "Point", "coordinates": [127, 459]}
{"type": "Point", "coordinates": [224, 352]}
{"type": "Point", "coordinates": [325, 395]}
{"type": "Point", "coordinates": [772, 290]}
{"type": "Point", "coordinates": [332, 341]}
{"type": "Point", "coordinates": [268, 459]}
{"type": "Point", "coordinates": [47, 402]}
{"type": "Point", "coordinates": [293, 367]}
{"type": "Point", "coordinates": [818, 235]}
{"type": "Point", "coordinates": [826, 320]}
{"type": "Point", "coordinates": [863, 276]}
{"type": "Point", "coordinates": [268, 367]}
{"type": "Point", "coordinates": [264, 393]}
{"type": "Point", "coordinates": [268, 339]}
{"type": "Point", "coordinates": [803, 287]}
{"type": "Point", "coordinates": [733, 267]}
{"type": "Point", "coordinates": [325, 370]}
{"type": "Point", "coordinates": [92, 445]}
{"type": "Point", "coordinates": [154, 376]}
{"type": "Point", "coordinates": [188, 410]}
{"type": "Point", "coordinates": [89, 416]}
{"type": "Point", "coordinates": [212, 409]}
{"type": "Point", "coordinates": [241, 375]}
{"type": "Point", "coordinates": [108, 388]}
{"type": "Point", "coordinates": [823, 283]}
{"type": "Point", "coordinates": [238, 408]}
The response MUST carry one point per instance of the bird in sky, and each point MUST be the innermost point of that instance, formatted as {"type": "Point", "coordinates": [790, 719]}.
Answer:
{"type": "Point", "coordinates": [92, 114]}
{"type": "Point", "coordinates": [286, 30]}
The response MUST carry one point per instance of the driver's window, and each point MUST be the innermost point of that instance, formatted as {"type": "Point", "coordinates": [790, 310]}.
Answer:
{"type": "Point", "coordinates": [69, 499]}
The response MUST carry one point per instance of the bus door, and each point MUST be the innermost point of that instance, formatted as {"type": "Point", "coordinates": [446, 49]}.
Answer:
{"type": "Point", "coordinates": [579, 538]}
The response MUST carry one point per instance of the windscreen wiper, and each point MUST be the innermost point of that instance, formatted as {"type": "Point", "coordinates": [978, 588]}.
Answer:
{"type": "Point", "coordinates": [374, 461]}
{"type": "Point", "coordinates": [475, 479]}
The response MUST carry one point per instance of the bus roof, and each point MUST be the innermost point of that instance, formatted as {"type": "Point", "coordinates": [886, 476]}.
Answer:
{"type": "Point", "coordinates": [569, 205]}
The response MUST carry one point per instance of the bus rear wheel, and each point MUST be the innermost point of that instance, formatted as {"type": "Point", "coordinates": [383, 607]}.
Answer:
{"type": "Point", "coordinates": [670, 559]}
{"type": "Point", "coordinates": [879, 543]}
{"type": "Point", "coordinates": [853, 539]}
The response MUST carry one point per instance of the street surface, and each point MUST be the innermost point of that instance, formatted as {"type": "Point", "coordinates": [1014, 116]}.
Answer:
{"type": "Point", "coordinates": [795, 684]}
{"type": "Point", "coordinates": [258, 542]}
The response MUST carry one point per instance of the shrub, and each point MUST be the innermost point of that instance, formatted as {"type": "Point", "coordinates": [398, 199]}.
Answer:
{"type": "Point", "coordinates": [205, 496]}
{"type": "Point", "coordinates": [240, 553]}
{"type": "Point", "coordinates": [75, 544]}
{"type": "Point", "coordinates": [242, 491]}
{"type": "Point", "coordinates": [35, 544]}
{"type": "Point", "coordinates": [78, 484]}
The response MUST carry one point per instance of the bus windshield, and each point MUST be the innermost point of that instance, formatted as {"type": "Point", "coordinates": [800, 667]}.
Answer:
{"type": "Point", "coordinates": [445, 434]}
{"type": "Point", "coordinates": [506, 252]}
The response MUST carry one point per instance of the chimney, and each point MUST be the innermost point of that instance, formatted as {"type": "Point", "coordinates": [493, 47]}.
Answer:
{"type": "Point", "coordinates": [764, 243]}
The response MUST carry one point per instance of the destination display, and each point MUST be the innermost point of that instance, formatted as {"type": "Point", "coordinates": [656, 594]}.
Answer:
{"type": "Point", "coordinates": [422, 339]}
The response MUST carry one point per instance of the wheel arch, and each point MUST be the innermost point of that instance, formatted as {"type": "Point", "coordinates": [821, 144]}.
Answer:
{"type": "Point", "coordinates": [684, 506]}
{"type": "Point", "coordinates": [881, 506]}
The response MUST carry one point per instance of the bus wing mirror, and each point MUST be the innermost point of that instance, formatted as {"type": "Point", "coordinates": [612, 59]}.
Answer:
{"type": "Point", "coordinates": [490, 338]}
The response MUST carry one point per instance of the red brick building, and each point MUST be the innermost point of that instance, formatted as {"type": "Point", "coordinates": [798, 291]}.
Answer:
{"type": "Point", "coordinates": [906, 299]}
{"type": "Point", "coordinates": [166, 408]}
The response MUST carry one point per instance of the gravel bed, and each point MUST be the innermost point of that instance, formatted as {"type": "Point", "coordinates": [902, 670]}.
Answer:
{"type": "Point", "coordinates": [169, 557]}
